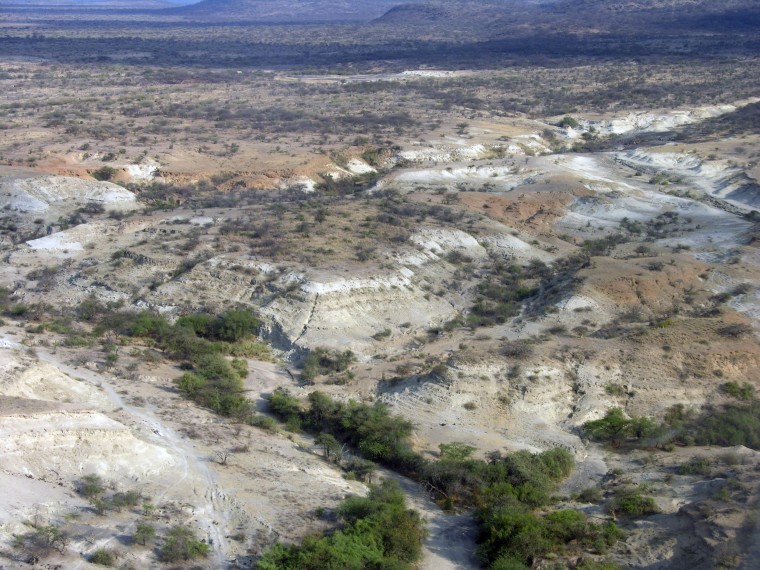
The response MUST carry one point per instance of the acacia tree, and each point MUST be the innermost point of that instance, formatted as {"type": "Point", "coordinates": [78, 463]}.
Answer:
{"type": "Point", "coordinates": [614, 427]}
{"type": "Point", "coordinates": [331, 447]}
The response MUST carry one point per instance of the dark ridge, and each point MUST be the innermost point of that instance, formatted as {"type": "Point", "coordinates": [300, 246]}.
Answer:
{"type": "Point", "coordinates": [280, 11]}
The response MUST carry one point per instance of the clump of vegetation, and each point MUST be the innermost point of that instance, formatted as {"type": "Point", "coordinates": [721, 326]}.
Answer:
{"type": "Point", "coordinates": [614, 390]}
{"type": "Point", "coordinates": [730, 426]}
{"type": "Point", "coordinates": [144, 533]}
{"type": "Point", "coordinates": [103, 557]}
{"type": "Point", "coordinates": [104, 173]}
{"type": "Point", "coordinates": [371, 429]}
{"type": "Point", "coordinates": [499, 295]}
{"type": "Point", "coordinates": [322, 361]}
{"type": "Point", "coordinates": [741, 392]}
{"type": "Point", "coordinates": [90, 486]}
{"type": "Point", "coordinates": [615, 427]}
{"type": "Point", "coordinates": [190, 335]}
{"type": "Point", "coordinates": [216, 384]}
{"type": "Point", "coordinates": [182, 544]}
{"type": "Point", "coordinates": [202, 340]}
{"type": "Point", "coordinates": [378, 531]}
{"type": "Point", "coordinates": [736, 330]}
{"type": "Point", "coordinates": [503, 489]}
{"type": "Point", "coordinates": [93, 488]}
{"type": "Point", "coordinates": [632, 503]}
{"type": "Point", "coordinates": [694, 466]}
{"type": "Point", "coordinates": [512, 536]}
{"type": "Point", "coordinates": [517, 349]}
{"type": "Point", "coordinates": [42, 540]}
{"type": "Point", "coordinates": [568, 121]}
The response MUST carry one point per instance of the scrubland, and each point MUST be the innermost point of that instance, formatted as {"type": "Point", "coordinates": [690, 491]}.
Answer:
{"type": "Point", "coordinates": [254, 312]}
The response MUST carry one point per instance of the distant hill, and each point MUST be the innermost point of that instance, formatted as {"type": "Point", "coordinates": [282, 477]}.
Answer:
{"type": "Point", "coordinates": [115, 4]}
{"type": "Point", "coordinates": [527, 17]}
{"type": "Point", "coordinates": [288, 10]}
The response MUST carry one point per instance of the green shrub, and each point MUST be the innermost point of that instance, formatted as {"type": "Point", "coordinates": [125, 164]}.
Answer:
{"type": "Point", "coordinates": [235, 325]}
{"type": "Point", "coordinates": [182, 544]}
{"type": "Point", "coordinates": [511, 532]}
{"type": "Point", "coordinates": [103, 557]}
{"type": "Point", "coordinates": [240, 366]}
{"type": "Point", "coordinates": [128, 499]}
{"type": "Point", "coordinates": [614, 427]}
{"type": "Point", "coordinates": [456, 451]}
{"type": "Point", "coordinates": [144, 533]}
{"type": "Point", "coordinates": [730, 426]}
{"type": "Point", "coordinates": [695, 466]}
{"type": "Point", "coordinates": [283, 405]}
{"type": "Point", "coordinates": [262, 422]}
{"type": "Point", "coordinates": [590, 495]}
{"type": "Point", "coordinates": [568, 121]}
{"type": "Point", "coordinates": [90, 486]}
{"type": "Point", "coordinates": [378, 532]}
{"type": "Point", "coordinates": [614, 390]}
{"type": "Point", "coordinates": [104, 173]}
{"type": "Point", "coordinates": [322, 361]}
{"type": "Point", "coordinates": [18, 310]}
{"type": "Point", "coordinates": [216, 384]}
{"type": "Point", "coordinates": [742, 392]}
{"type": "Point", "coordinates": [251, 349]}
{"type": "Point", "coordinates": [507, 563]}
{"type": "Point", "coordinates": [632, 503]}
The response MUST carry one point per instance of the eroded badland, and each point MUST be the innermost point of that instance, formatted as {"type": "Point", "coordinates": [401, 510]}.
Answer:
{"type": "Point", "coordinates": [500, 244]}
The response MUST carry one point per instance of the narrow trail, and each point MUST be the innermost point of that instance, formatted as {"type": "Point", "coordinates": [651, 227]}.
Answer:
{"type": "Point", "coordinates": [450, 544]}
{"type": "Point", "coordinates": [191, 465]}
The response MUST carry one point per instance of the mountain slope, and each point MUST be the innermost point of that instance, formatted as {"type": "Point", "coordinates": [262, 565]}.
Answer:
{"type": "Point", "coordinates": [295, 11]}
{"type": "Point", "coordinates": [622, 17]}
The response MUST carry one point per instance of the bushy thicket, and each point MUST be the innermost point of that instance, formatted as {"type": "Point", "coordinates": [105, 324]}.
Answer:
{"type": "Point", "coordinates": [216, 383]}
{"type": "Point", "coordinates": [615, 427]}
{"type": "Point", "coordinates": [190, 336]}
{"type": "Point", "coordinates": [727, 426]}
{"type": "Point", "coordinates": [507, 287]}
{"type": "Point", "coordinates": [182, 544]}
{"type": "Point", "coordinates": [202, 340]}
{"type": "Point", "coordinates": [499, 295]}
{"type": "Point", "coordinates": [378, 531]}
{"type": "Point", "coordinates": [324, 361]}
{"type": "Point", "coordinates": [513, 537]}
{"type": "Point", "coordinates": [504, 489]}
{"type": "Point", "coordinates": [370, 429]}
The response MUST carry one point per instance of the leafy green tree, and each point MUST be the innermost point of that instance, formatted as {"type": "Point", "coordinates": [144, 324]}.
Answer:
{"type": "Point", "coordinates": [283, 405]}
{"type": "Point", "coordinates": [90, 486]}
{"type": "Point", "coordinates": [455, 451]}
{"type": "Point", "coordinates": [235, 325]}
{"type": "Point", "coordinates": [104, 173]}
{"type": "Point", "coordinates": [144, 533]}
{"type": "Point", "coordinates": [613, 427]}
{"type": "Point", "coordinates": [331, 448]}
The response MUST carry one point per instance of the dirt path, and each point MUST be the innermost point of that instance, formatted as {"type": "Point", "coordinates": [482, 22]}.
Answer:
{"type": "Point", "coordinates": [451, 541]}
{"type": "Point", "coordinates": [588, 472]}
{"type": "Point", "coordinates": [263, 378]}
{"type": "Point", "coordinates": [192, 469]}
